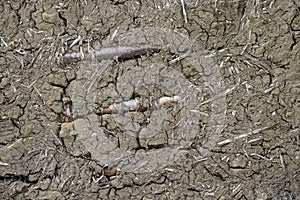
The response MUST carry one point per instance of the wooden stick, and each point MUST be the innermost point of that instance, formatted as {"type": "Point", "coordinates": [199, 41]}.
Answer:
{"type": "Point", "coordinates": [119, 52]}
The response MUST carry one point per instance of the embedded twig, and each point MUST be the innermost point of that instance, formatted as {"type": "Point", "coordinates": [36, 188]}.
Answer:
{"type": "Point", "coordinates": [249, 42]}
{"type": "Point", "coordinates": [120, 52]}
{"type": "Point", "coordinates": [227, 141]}
{"type": "Point", "coordinates": [3, 42]}
{"type": "Point", "coordinates": [126, 106]}
{"type": "Point", "coordinates": [282, 161]}
{"type": "Point", "coordinates": [179, 58]}
{"type": "Point", "coordinates": [222, 94]}
{"type": "Point", "coordinates": [40, 95]}
{"type": "Point", "coordinates": [3, 163]}
{"type": "Point", "coordinates": [56, 137]}
{"type": "Point", "coordinates": [76, 41]}
{"type": "Point", "coordinates": [272, 87]}
{"type": "Point", "coordinates": [168, 100]}
{"type": "Point", "coordinates": [114, 34]}
{"type": "Point", "coordinates": [262, 157]}
{"type": "Point", "coordinates": [134, 105]}
{"type": "Point", "coordinates": [183, 11]}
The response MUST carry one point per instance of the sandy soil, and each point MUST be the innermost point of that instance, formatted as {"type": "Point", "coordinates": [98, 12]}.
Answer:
{"type": "Point", "coordinates": [229, 127]}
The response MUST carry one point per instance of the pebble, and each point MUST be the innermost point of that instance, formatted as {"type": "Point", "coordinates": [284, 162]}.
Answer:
{"type": "Point", "coordinates": [238, 163]}
{"type": "Point", "coordinates": [52, 18]}
{"type": "Point", "coordinates": [66, 129]}
{"type": "Point", "coordinates": [4, 82]}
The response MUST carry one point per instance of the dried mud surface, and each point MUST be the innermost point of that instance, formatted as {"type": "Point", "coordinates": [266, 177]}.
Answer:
{"type": "Point", "coordinates": [255, 45]}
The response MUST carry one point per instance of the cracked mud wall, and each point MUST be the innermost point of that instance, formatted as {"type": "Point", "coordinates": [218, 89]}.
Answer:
{"type": "Point", "coordinates": [255, 45]}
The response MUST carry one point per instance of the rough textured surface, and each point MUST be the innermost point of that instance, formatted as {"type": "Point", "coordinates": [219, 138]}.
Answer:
{"type": "Point", "coordinates": [255, 46]}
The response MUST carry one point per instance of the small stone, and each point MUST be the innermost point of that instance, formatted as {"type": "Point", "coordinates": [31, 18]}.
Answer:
{"type": "Point", "coordinates": [56, 106]}
{"type": "Point", "coordinates": [289, 114]}
{"type": "Point", "coordinates": [58, 80]}
{"type": "Point", "coordinates": [4, 82]}
{"type": "Point", "coordinates": [70, 75]}
{"type": "Point", "coordinates": [278, 71]}
{"type": "Point", "coordinates": [45, 184]}
{"type": "Point", "coordinates": [49, 195]}
{"type": "Point", "coordinates": [21, 187]}
{"type": "Point", "coordinates": [52, 18]}
{"type": "Point", "coordinates": [110, 172]}
{"type": "Point", "coordinates": [295, 90]}
{"type": "Point", "coordinates": [146, 198]}
{"type": "Point", "coordinates": [266, 80]}
{"type": "Point", "coordinates": [238, 162]}
{"type": "Point", "coordinates": [66, 129]}
{"type": "Point", "coordinates": [66, 100]}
